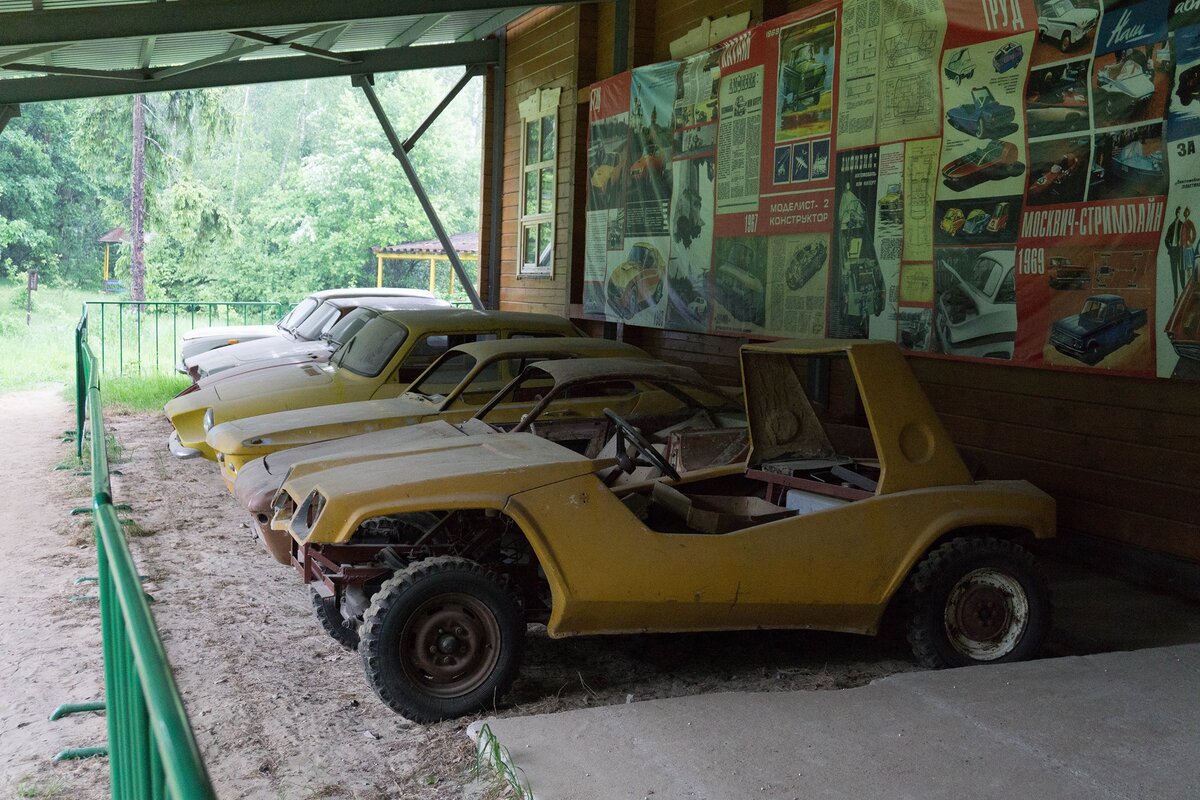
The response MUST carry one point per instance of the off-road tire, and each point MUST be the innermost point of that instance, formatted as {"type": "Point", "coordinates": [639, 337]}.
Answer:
{"type": "Point", "coordinates": [1064, 42]}
{"type": "Point", "coordinates": [332, 622]}
{"type": "Point", "coordinates": [929, 591]}
{"type": "Point", "coordinates": [387, 657]}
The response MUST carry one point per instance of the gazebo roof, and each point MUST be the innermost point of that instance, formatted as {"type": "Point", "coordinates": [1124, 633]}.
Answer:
{"type": "Point", "coordinates": [115, 236]}
{"type": "Point", "coordinates": [465, 244]}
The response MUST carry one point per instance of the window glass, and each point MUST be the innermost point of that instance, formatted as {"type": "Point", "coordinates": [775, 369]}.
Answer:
{"type": "Point", "coordinates": [532, 142]}
{"type": "Point", "coordinates": [547, 191]}
{"type": "Point", "coordinates": [548, 139]}
{"type": "Point", "coordinates": [318, 321]}
{"type": "Point", "coordinates": [349, 325]}
{"type": "Point", "coordinates": [531, 244]}
{"type": "Point", "coordinates": [531, 193]}
{"type": "Point", "coordinates": [370, 350]}
{"type": "Point", "coordinates": [545, 246]}
{"type": "Point", "coordinates": [444, 376]}
{"type": "Point", "coordinates": [297, 314]}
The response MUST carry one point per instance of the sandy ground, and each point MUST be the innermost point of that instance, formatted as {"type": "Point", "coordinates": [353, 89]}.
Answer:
{"type": "Point", "coordinates": [279, 709]}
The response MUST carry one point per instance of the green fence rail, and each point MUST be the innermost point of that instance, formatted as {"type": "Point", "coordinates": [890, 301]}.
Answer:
{"type": "Point", "coordinates": [144, 337]}
{"type": "Point", "coordinates": [151, 747]}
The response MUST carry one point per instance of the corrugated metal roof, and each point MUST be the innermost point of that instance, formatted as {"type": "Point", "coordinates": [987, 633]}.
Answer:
{"type": "Point", "coordinates": [465, 244]}
{"type": "Point", "coordinates": [110, 51]}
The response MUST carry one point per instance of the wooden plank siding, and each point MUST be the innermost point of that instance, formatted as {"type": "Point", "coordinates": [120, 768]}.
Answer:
{"type": "Point", "coordinates": [1121, 456]}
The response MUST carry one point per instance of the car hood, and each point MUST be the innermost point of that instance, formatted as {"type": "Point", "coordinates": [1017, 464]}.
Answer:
{"type": "Point", "coordinates": [1081, 17]}
{"type": "Point", "coordinates": [231, 332]}
{"type": "Point", "coordinates": [960, 167]}
{"type": "Point", "coordinates": [273, 381]}
{"type": "Point", "coordinates": [265, 349]}
{"type": "Point", "coordinates": [1136, 86]}
{"type": "Point", "coordinates": [431, 474]}
{"type": "Point", "coordinates": [1078, 325]}
{"type": "Point", "coordinates": [259, 480]}
{"type": "Point", "coordinates": [301, 426]}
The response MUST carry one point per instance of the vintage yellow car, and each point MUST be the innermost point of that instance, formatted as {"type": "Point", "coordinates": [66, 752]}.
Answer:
{"type": "Point", "coordinates": [453, 388]}
{"type": "Point", "coordinates": [379, 361]}
{"type": "Point", "coordinates": [695, 424]}
{"type": "Point", "coordinates": [449, 549]}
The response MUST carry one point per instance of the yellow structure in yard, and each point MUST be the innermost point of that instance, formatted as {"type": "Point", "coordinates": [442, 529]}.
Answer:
{"type": "Point", "coordinates": [465, 244]}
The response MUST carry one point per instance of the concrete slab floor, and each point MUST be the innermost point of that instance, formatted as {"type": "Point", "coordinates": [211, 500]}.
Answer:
{"type": "Point", "coordinates": [1094, 724]}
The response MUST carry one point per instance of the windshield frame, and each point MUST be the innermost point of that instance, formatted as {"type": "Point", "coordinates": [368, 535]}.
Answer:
{"type": "Point", "coordinates": [348, 345]}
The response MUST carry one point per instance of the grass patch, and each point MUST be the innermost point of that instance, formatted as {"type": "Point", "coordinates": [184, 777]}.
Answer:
{"type": "Point", "coordinates": [44, 351]}
{"type": "Point", "coordinates": [144, 393]}
{"type": "Point", "coordinates": [51, 787]}
{"type": "Point", "coordinates": [134, 530]}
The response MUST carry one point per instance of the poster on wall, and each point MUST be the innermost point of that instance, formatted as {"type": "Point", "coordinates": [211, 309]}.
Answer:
{"type": "Point", "coordinates": [993, 180]}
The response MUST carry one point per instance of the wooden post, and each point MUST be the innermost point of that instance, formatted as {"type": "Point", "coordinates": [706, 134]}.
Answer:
{"type": "Point", "coordinates": [379, 271]}
{"type": "Point", "coordinates": [433, 275]}
{"type": "Point", "coordinates": [30, 288]}
{"type": "Point", "coordinates": [107, 255]}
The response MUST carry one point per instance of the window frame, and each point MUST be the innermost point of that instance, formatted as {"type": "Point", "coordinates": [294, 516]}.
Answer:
{"type": "Point", "coordinates": [537, 111]}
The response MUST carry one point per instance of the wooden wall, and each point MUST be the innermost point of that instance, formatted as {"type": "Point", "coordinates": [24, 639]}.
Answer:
{"type": "Point", "coordinates": [1121, 456]}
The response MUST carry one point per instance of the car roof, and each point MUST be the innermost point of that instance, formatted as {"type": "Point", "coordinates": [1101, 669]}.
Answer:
{"type": "Point", "coordinates": [366, 291]}
{"type": "Point", "coordinates": [1108, 298]}
{"type": "Point", "coordinates": [816, 347]}
{"type": "Point", "coordinates": [468, 319]}
{"type": "Point", "coordinates": [620, 368]}
{"type": "Point", "coordinates": [499, 348]}
{"type": "Point", "coordinates": [389, 302]}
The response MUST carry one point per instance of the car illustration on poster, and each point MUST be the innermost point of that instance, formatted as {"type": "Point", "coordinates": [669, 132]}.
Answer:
{"type": "Point", "coordinates": [636, 283]}
{"type": "Point", "coordinates": [960, 67]}
{"type": "Point", "coordinates": [994, 161]}
{"type": "Point", "coordinates": [984, 117]}
{"type": "Point", "coordinates": [1007, 57]}
{"type": "Point", "coordinates": [1061, 109]}
{"type": "Point", "coordinates": [1125, 85]}
{"type": "Point", "coordinates": [803, 77]}
{"type": "Point", "coordinates": [1048, 181]}
{"type": "Point", "coordinates": [891, 205]}
{"type": "Point", "coordinates": [976, 222]}
{"type": "Point", "coordinates": [977, 304]}
{"type": "Point", "coordinates": [1063, 21]}
{"type": "Point", "coordinates": [1066, 275]}
{"type": "Point", "coordinates": [805, 263]}
{"type": "Point", "coordinates": [739, 291]}
{"type": "Point", "coordinates": [953, 221]}
{"type": "Point", "coordinates": [1183, 326]}
{"type": "Point", "coordinates": [1133, 162]}
{"type": "Point", "coordinates": [1000, 216]}
{"type": "Point", "coordinates": [1104, 325]}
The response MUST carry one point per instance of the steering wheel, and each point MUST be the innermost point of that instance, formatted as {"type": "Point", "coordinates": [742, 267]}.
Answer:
{"type": "Point", "coordinates": [645, 449]}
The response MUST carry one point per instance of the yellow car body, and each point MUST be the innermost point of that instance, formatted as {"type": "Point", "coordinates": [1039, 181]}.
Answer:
{"type": "Point", "coordinates": [799, 536]}
{"type": "Point", "coordinates": [423, 334]}
{"type": "Point", "coordinates": [452, 389]}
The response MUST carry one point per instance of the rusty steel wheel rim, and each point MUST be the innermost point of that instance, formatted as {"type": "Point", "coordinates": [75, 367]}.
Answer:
{"type": "Point", "coordinates": [450, 644]}
{"type": "Point", "coordinates": [986, 613]}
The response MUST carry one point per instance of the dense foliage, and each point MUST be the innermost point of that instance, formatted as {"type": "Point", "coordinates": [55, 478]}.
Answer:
{"type": "Point", "coordinates": [251, 192]}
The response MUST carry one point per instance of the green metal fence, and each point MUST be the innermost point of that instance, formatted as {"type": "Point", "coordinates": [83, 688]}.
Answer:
{"type": "Point", "coordinates": [138, 338]}
{"type": "Point", "coordinates": [152, 750]}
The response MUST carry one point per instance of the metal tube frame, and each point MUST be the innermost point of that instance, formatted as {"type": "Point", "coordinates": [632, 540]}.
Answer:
{"type": "Point", "coordinates": [365, 82]}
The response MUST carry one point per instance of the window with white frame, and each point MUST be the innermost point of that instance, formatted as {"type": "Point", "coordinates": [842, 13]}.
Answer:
{"type": "Point", "coordinates": [539, 184]}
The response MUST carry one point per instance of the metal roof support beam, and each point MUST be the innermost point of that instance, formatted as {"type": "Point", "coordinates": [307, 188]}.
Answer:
{"type": "Point", "coordinates": [411, 141]}
{"type": "Point", "coordinates": [233, 54]}
{"type": "Point", "coordinates": [290, 41]}
{"type": "Point", "coordinates": [491, 24]}
{"type": "Point", "coordinates": [135, 20]}
{"type": "Point", "coordinates": [496, 189]}
{"type": "Point", "coordinates": [364, 82]}
{"type": "Point", "coordinates": [272, 70]}
{"type": "Point", "coordinates": [33, 52]}
{"type": "Point", "coordinates": [8, 113]}
{"type": "Point", "coordinates": [418, 29]}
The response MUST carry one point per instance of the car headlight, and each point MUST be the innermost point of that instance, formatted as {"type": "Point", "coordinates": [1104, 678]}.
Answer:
{"type": "Point", "coordinates": [209, 420]}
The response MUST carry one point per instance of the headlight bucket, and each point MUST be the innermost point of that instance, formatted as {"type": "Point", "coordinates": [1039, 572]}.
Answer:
{"type": "Point", "coordinates": [209, 420]}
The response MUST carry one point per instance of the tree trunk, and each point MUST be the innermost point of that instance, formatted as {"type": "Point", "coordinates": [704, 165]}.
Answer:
{"type": "Point", "coordinates": [137, 228]}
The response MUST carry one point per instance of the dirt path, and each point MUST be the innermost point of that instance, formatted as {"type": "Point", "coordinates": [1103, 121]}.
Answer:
{"type": "Point", "coordinates": [49, 645]}
{"type": "Point", "coordinates": [279, 709]}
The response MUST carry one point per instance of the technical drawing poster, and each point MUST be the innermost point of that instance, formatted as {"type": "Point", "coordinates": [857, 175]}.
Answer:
{"type": "Point", "coordinates": [994, 180]}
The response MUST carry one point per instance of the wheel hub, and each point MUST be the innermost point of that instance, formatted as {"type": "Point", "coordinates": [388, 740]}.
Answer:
{"type": "Point", "coordinates": [450, 644]}
{"type": "Point", "coordinates": [986, 613]}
